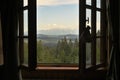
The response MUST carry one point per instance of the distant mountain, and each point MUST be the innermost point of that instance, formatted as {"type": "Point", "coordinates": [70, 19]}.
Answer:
{"type": "Point", "coordinates": [68, 36]}
{"type": "Point", "coordinates": [51, 40]}
{"type": "Point", "coordinates": [43, 36]}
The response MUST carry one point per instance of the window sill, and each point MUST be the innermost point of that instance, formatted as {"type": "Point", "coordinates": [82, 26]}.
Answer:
{"type": "Point", "coordinates": [57, 68]}
{"type": "Point", "coordinates": [52, 67]}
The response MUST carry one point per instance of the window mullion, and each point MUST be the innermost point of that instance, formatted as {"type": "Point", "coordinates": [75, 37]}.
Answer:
{"type": "Point", "coordinates": [25, 7]}
{"type": "Point", "coordinates": [90, 7]}
{"type": "Point", "coordinates": [82, 53]}
{"type": "Point", "coordinates": [103, 33]}
{"type": "Point", "coordinates": [21, 42]}
{"type": "Point", "coordinates": [93, 33]}
{"type": "Point", "coordinates": [32, 60]}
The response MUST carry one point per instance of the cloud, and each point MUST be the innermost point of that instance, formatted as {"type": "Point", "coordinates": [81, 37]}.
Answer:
{"type": "Point", "coordinates": [56, 2]}
{"type": "Point", "coordinates": [57, 26]}
{"type": "Point", "coordinates": [58, 29]}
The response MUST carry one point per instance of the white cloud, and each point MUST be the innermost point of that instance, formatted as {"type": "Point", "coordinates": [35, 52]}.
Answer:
{"type": "Point", "coordinates": [56, 2]}
{"type": "Point", "coordinates": [58, 29]}
{"type": "Point", "coordinates": [58, 32]}
{"type": "Point", "coordinates": [57, 26]}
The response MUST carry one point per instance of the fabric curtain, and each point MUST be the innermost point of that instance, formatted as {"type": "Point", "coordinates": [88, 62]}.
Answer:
{"type": "Point", "coordinates": [9, 24]}
{"type": "Point", "coordinates": [113, 23]}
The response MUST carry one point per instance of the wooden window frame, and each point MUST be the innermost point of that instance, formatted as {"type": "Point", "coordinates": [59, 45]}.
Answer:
{"type": "Point", "coordinates": [103, 34]}
{"type": "Point", "coordinates": [32, 59]}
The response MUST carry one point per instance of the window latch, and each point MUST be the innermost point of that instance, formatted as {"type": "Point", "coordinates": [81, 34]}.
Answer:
{"type": "Point", "coordinates": [86, 35]}
{"type": "Point", "coordinates": [87, 20]}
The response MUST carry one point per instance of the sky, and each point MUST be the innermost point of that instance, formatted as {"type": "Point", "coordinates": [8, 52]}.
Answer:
{"type": "Point", "coordinates": [57, 17]}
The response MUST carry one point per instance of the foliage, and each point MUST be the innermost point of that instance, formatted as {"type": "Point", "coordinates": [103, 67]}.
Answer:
{"type": "Point", "coordinates": [65, 51]}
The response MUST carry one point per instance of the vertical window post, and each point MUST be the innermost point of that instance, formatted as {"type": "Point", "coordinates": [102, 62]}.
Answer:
{"type": "Point", "coordinates": [82, 51]}
{"type": "Point", "coordinates": [103, 54]}
{"type": "Point", "coordinates": [93, 33]}
{"type": "Point", "coordinates": [32, 60]}
{"type": "Point", "coordinates": [21, 43]}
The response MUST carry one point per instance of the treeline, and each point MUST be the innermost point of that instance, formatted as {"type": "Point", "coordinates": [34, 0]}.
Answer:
{"type": "Point", "coordinates": [66, 51]}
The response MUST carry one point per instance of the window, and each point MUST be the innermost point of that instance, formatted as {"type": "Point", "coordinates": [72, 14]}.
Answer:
{"type": "Point", "coordinates": [58, 32]}
{"type": "Point", "coordinates": [27, 33]}
{"type": "Point", "coordinates": [50, 33]}
{"type": "Point", "coordinates": [95, 13]}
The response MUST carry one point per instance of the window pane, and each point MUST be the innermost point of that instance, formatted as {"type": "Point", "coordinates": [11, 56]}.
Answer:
{"type": "Point", "coordinates": [98, 3]}
{"type": "Point", "coordinates": [88, 2]}
{"type": "Point", "coordinates": [98, 32]}
{"type": "Point", "coordinates": [98, 24]}
{"type": "Point", "coordinates": [57, 31]}
{"type": "Point", "coordinates": [88, 54]}
{"type": "Point", "coordinates": [25, 22]}
{"type": "Point", "coordinates": [88, 45]}
{"type": "Point", "coordinates": [98, 50]}
{"type": "Point", "coordinates": [25, 2]}
{"type": "Point", "coordinates": [25, 51]}
{"type": "Point", "coordinates": [1, 49]}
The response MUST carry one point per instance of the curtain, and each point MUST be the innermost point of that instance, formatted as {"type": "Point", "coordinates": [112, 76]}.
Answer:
{"type": "Point", "coordinates": [113, 23]}
{"type": "Point", "coordinates": [9, 25]}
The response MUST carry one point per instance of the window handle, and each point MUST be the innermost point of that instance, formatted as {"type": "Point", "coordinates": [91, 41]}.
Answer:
{"type": "Point", "coordinates": [86, 35]}
{"type": "Point", "coordinates": [87, 20]}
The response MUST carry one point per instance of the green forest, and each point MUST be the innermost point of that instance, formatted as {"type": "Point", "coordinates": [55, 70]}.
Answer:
{"type": "Point", "coordinates": [65, 51]}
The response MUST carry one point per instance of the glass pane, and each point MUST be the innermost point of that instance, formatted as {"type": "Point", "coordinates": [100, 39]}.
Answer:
{"type": "Point", "coordinates": [1, 49]}
{"type": "Point", "coordinates": [88, 44]}
{"type": "Point", "coordinates": [88, 18]}
{"type": "Point", "coordinates": [98, 24]}
{"type": "Point", "coordinates": [88, 2]}
{"type": "Point", "coordinates": [25, 2]}
{"type": "Point", "coordinates": [98, 50]}
{"type": "Point", "coordinates": [25, 51]}
{"type": "Point", "coordinates": [57, 31]}
{"type": "Point", "coordinates": [98, 3]}
{"type": "Point", "coordinates": [88, 55]}
{"type": "Point", "coordinates": [25, 22]}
